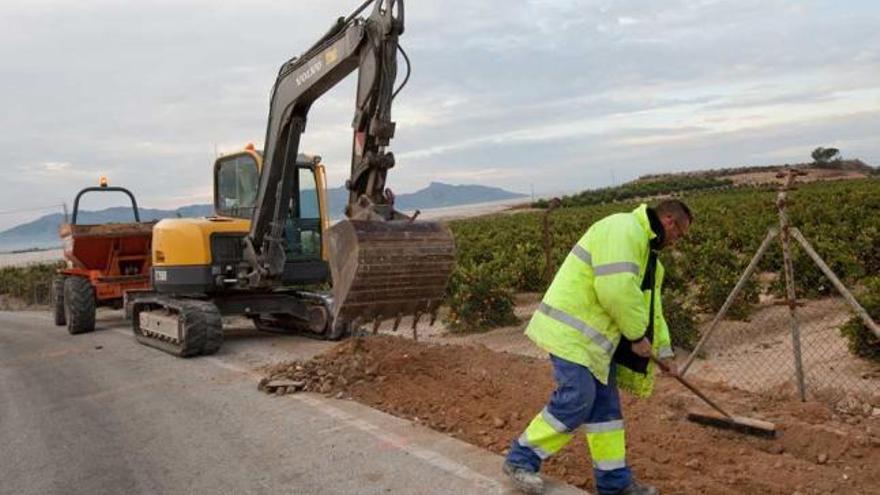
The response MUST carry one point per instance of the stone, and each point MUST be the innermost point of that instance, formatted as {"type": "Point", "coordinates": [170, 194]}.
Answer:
{"type": "Point", "coordinates": [498, 422]}
{"type": "Point", "coordinates": [693, 463]}
{"type": "Point", "coordinates": [822, 458]}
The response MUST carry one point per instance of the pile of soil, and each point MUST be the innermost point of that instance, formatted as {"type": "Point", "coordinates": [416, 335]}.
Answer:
{"type": "Point", "coordinates": [487, 398]}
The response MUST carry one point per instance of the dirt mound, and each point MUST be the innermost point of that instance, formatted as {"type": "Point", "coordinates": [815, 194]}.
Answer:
{"type": "Point", "coordinates": [486, 398]}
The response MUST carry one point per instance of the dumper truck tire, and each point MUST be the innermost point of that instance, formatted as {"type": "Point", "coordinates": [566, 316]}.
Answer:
{"type": "Point", "coordinates": [79, 305]}
{"type": "Point", "coordinates": [58, 301]}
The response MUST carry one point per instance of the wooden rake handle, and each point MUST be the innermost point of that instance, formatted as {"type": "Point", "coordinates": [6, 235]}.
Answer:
{"type": "Point", "coordinates": [690, 387]}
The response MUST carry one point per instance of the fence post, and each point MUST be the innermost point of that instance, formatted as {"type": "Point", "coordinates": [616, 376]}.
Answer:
{"type": "Point", "coordinates": [549, 268]}
{"type": "Point", "coordinates": [866, 318]}
{"type": "Point", "coordinates": [791, 297]}
{"type": "Point", "coordinates": [771, 234]}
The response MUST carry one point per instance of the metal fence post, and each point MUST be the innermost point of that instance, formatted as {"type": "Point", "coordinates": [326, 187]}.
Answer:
{"type": "Point", "coordinates": [791, 297]}
{"type": "Point", "coordinates": [866, 318]}
{"type": "Point", "coordinates": [771, 234]}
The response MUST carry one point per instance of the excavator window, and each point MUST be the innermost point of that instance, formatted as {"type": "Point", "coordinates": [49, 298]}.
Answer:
{"type": "Point", "coordinates": [237, 181]}
{"type": "Point", "coordinates": [303, 227]}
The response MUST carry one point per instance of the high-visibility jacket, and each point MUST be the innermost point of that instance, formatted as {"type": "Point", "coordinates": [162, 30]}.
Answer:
{"type": "Point", "coordinates": [596, 297]}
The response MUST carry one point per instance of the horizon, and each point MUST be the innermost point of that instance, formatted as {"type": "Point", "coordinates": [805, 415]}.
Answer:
{"type": "Point", "coordinates": [541, 98]}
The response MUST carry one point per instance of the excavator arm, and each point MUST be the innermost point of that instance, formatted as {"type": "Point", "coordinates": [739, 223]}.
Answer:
{"type": "Point", "coordinates": [366, 45]}
{"type": "Point", "coordinates": [384, 264]}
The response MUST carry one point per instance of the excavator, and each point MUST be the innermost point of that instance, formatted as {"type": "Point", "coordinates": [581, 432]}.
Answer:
{"type": "Point", "coordinates": [269, 253]}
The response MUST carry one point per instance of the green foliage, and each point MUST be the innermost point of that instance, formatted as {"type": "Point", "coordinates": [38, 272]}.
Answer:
{"type": "Point", "coordinates": [822, 156]}
{"type": "Point", "coordinates": [640, 189]}
{"type": "Point", "coordinates": [861, 340]}
{"type": "Point", "coordinates": [841, 220]}
{"type": "Point", "coordinates": [478, 299]}
{"type": "Point", "coordinates": [683, 329]}
{"type": "Point", "coordinates": [30, 283]}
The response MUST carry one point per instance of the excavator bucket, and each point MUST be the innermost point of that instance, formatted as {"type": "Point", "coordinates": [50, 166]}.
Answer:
{"type": "Point", "coordinates": [389, 269]}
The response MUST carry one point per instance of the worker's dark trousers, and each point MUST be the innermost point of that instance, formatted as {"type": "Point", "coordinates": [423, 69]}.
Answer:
{"type": "Point", "coordinates": [579, 399]}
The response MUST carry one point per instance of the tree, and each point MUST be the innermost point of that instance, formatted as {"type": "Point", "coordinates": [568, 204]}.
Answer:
{"type": "Point", "coordinates": [824, 156]}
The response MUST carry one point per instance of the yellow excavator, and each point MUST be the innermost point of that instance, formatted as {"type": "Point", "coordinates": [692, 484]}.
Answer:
{"type": "Point", "coordinates": [269, 253]}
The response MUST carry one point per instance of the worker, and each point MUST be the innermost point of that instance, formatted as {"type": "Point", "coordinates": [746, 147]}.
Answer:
{"type": "Point", "coordinates": [600, 321]}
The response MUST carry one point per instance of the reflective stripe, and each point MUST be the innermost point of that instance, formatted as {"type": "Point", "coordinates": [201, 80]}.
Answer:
{"type": "Point", "coordinates": [665, 352]}
{"type": "Point", "coordinates": [571, 321]}
{"type": "Point", "coordinates": [551, 420]}
{"type": "Point", "coordinates": [616, 424]}
{"type": "Point", "coordinates": [524, 442]}
{"type": "Point", "coordinates": [582, 254]}
{"type": "Point", "coordinates": [620, 267]}
{"type": "Point", "coordinates": [609, 465]}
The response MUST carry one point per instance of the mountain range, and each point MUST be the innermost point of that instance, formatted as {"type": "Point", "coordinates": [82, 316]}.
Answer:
{"type": "Point", "coordinates": [43, 232]}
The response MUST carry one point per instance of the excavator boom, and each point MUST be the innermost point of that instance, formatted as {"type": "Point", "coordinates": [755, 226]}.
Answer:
{"type": "Point", "coordinates": [384, 264]}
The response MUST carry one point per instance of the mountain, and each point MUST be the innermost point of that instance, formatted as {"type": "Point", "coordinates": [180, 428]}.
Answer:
{"type": "Point", "coordinates": [436, 195]}
{"type": "Point", "coordinates": [43, 232]}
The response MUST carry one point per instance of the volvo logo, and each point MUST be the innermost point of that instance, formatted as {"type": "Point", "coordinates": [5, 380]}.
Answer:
{"type": "Point", "coordinates": [311, 71]}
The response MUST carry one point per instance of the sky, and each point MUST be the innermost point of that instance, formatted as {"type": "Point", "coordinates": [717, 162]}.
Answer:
{"type": "Point", "coordinates": [534, 96]}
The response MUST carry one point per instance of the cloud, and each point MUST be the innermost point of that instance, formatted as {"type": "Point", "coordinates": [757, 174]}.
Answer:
{"type": "Point", "coordinates": [555, 94]}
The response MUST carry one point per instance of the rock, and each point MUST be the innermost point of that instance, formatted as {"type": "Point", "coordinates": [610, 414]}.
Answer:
{"type": "Point", "coordinates": [867, 409]}
{"type": "Point", "coordinates": [822, 458]}
{"type": "Point", "coordinates": [283, 383]}
{"type": "Point", "coordinates": [326, 388]}
{"type": "Point", "coordinates": [776, 449]}
{"type": "Point", "coordinates": [340, 395]}
{"type": "Point", "coordinates": [777, 465]}
{"type": "Point", "coordinates": [693, 463]}
{"type": "Point", "coordinates": [341, 381]}
{"type": "Point", "coordinates": [498, 422]}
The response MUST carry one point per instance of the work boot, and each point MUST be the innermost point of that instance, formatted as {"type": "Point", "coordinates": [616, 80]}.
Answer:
{"type": "Point", "coordinates": [638, 489]}
{"type": "Point", "coordinates": [527, 481]}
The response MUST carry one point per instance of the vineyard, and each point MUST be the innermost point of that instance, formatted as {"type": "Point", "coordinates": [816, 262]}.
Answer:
{"type": "Point", "coordinates": [499, 255]}
{"type": "Point", "coordinates": [842, 220]}
{"type": "Point", "coordinates": [641, 189]}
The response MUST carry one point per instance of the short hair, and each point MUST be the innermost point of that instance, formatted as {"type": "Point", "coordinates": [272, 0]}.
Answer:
{"type": "Point", "coordinates": [675, 208]}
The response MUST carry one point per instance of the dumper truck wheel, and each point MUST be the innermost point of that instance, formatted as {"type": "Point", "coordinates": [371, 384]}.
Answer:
{"type": "Point", "coordinates": [58, 301]}
{"type": "Point", "coordinates": [79, 305]}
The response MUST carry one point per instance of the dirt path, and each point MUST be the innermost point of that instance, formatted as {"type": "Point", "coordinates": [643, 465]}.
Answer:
{"type": "Point", "coordinates": [486, 398]}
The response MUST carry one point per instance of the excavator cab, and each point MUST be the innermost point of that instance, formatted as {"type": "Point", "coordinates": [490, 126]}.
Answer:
{"type": "Point", "coordinates": [236, 179]}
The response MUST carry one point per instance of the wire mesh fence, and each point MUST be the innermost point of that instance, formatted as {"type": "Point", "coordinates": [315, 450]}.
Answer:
{"type": "Point", "coordinates": [770, 348]}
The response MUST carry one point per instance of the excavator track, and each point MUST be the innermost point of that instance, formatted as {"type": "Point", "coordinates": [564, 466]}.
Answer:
{"type": "Point", "coordinates": [181, 327]}
{"type": "Point", "coordinates": [320, 325]}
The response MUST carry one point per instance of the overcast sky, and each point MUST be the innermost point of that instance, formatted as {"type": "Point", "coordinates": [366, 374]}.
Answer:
{"type": "Point", "coordinates": [543, 95]}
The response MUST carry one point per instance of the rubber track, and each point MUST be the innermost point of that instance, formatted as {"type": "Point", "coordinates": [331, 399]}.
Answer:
{"type": "Point", "coordinates": [58, 301]}
{"type": "Point", "coordinates": [79, 299]}
{"type": "Point", "coordinates": [202, 327]}
{"type": "Point", "coordinates": [336, 332]}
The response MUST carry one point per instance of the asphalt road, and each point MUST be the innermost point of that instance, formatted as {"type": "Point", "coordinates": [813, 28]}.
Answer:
{"type": "Point", "coordinates": [99, 413]}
